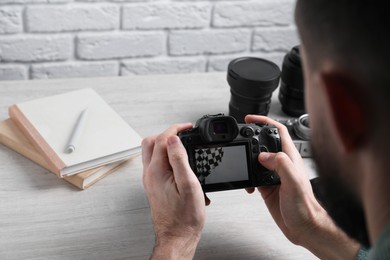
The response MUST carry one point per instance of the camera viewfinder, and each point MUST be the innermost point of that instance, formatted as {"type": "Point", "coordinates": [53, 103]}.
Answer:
{"type": "Point", "coordinates": [220, 128]}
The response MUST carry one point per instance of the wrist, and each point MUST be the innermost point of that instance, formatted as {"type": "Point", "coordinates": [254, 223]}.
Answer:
{"type": "Point", "coordinates": [174, 247]}
{"type": "Point", "coordinates": [327, 241]}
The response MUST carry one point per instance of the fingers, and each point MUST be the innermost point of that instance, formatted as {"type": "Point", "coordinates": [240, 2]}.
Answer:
{"type": "Point", "coordinates": [281, 164]}
{"type": "Point", "coordinates": [155, 158]}
{"type": "Point", "coordinates": [178, 159]}
{"type": "Point", "coordinates": [160, 156]}
{"type": "Point", "coordinates": [288, 145]}
{"type": "Point", "coordinates": [147, 149]}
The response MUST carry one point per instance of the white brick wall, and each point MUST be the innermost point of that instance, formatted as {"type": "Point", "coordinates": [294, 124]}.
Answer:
{"type": "Point", "coordinates": [90, 38]}
{"type": "Point", "coordinates": [68, 18]}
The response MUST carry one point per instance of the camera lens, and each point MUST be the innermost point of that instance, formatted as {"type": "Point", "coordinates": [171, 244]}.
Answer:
{"type": "Point", "coordinates": [291, 93]}
{"type": "Point", "coordinates": [252, 81]}
{"type": "Point", "coordinates": [302, 127]}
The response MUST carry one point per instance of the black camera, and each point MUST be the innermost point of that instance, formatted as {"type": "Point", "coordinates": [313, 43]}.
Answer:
{"type": "Point", "coordinates": [299, 130]}
{"type": "Point", "coordinates": [224, 154]}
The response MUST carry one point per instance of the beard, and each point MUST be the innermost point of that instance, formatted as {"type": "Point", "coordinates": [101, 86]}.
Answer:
{"type": "Point", "coordinates": [334, 193]}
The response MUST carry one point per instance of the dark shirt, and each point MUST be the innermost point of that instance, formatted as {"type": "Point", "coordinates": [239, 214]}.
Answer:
{"type": "Point", "coordinates": [381, 250]}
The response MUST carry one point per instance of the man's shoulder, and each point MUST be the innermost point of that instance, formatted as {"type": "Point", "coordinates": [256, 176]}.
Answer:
{"type": "Point", "coordinates": [382, 248]}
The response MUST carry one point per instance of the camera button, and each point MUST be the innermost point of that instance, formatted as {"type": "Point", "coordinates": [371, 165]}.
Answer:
{"type": "Point", "coordinates": [247, 131]}
{"type": "Point", "coordinates": [269, 131]}
{"type": "Point", "coordinates": [263, 149]}
{"type": "Point", "coordinates": [269, 179]}
{"type": "Point", "coordinates": [276, 132]}
{"type": "Point", "coordinates": [255, 149]}
{"type": "Point", "coordinates": [257, 131]}
{"type": "Point", "coordinates": [255, 141]}
{"type": "Point", "coordinates": [261, 124]}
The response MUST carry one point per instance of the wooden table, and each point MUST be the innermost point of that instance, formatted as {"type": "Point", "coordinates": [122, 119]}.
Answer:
{"type": "Point", "coordinates": [43, 217]}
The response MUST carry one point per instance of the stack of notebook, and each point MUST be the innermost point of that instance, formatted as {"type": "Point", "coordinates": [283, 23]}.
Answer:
{"type": "Point", "coordinates": [75, 135]}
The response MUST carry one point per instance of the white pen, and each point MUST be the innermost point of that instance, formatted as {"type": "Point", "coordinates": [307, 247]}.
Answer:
{"type": "Point", "coordinates": [78, 129]}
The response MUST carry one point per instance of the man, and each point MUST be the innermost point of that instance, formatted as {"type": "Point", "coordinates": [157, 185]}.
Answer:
{"type": "Point", "coordinates": [344, 53]}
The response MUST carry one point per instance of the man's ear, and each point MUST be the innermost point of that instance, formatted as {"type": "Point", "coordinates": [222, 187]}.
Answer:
{"type": "Point", "coordinates": [348, 104]}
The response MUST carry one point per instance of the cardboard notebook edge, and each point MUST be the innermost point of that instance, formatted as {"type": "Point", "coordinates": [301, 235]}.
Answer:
{"type": "Point", "coordinates": [33, 136]}
{"type": "Point", "coordinates": [14, 139]}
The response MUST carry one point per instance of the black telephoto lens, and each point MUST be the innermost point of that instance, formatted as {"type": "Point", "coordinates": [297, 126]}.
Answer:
{"type": "Point", "coordinates": [252, 81]}
{"type": "Point", "coordinates": [291, 93]}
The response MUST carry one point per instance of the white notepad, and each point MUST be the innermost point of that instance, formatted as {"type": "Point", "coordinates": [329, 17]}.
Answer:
{"type": "Point", "coordinates": [48, 123]}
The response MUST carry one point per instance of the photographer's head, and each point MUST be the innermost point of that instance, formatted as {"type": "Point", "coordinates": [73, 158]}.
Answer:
{"type": "Point", "coordinates": [345, 54]}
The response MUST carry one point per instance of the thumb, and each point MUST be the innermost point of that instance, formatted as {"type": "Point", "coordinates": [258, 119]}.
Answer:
{"type": "Point", "coordinates": [279, 163]}
{"type": "Point", "coordinates": [178, 159]}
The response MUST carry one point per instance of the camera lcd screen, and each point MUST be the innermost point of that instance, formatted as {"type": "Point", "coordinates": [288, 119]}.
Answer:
{"type": "Point", "coordinates": [221, 167]}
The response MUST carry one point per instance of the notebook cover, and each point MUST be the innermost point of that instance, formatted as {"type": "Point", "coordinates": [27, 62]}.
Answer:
{"type": "Point", "coordinates": [11, 137]}
{"type": "Point", "coordinates": [48, 123]}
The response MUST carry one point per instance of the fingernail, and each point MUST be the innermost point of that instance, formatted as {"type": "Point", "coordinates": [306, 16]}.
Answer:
{"type": "Point", "coordinates": [264, 156]}
{"type": "Point", "coordinates": [173, 140]}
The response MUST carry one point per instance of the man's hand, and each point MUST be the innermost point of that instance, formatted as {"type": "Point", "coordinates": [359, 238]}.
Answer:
{"type": "Point", "coordinates": [293, 205]}
{"type": "Point", "coordinates": [175, 195]}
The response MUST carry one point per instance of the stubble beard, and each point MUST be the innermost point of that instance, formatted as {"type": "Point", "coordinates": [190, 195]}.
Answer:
{"type": "Point", "coordinates": [336, 196]}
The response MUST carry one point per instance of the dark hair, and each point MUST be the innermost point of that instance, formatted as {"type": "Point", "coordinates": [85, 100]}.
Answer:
{"type": "Point", "coordinates": [354, 34]}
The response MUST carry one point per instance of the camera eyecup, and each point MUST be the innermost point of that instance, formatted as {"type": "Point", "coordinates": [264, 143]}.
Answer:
{"type": "Point", "coordinates": [252, 81]}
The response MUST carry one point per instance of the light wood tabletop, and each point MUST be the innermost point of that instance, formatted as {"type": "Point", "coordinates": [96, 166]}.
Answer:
{"type": "Point", "coordinates": [44, 217]}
